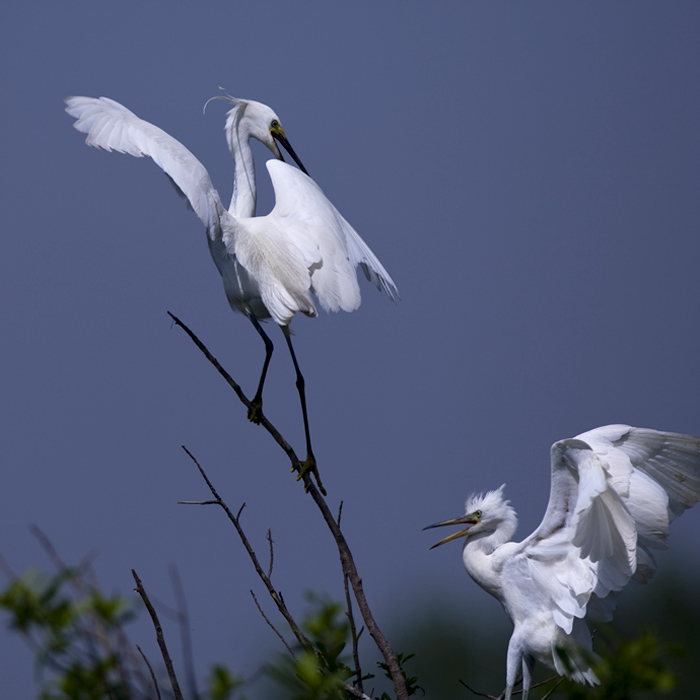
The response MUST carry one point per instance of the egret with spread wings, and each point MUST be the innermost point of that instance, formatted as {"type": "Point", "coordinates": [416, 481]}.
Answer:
{"type": "Point", "coordinates": [272, 265]}
{"type": "Point", "coordinates": [614, 492]}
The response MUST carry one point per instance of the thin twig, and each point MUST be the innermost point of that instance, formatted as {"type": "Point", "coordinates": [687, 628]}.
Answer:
{"type": "Point", "coordinates": [159, 636]}
{"type": "Point", "coordinates": [150, 670]}
{"type": "Point", "coordinates": [296, 630]}
{"type": "Point", "coordinates": [353, 634]}
{"type": "Point", "coordinates": [481, 695]}
{"type": "Point", "coordinates": [559, 680]}
{"type": "Point", "coordinates": [519, 691]}
{"type": "Point", "coordinates": [355, 692]}
{"type": "Point", "coordinates": [349, 568]}
{"type": "Point", "coordinates": [95, 634]}
{"type": "Point", "coordinates": [346, 559]}
{"type": "Point", "coordinates": [274, 629]}
{"type": "Point", "coordinates": [198, 503]}
{"type": "Point", "coordinates": [351, 620]}
{"type": "Point", "coordinates": [272, 552]}
{"type": "Point", "coordinates": [183, 618]}
{"type": "Point", "coordinates": [85, 584]}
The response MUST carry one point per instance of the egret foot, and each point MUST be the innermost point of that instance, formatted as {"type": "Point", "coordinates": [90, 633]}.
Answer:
{"type": "Point", "coordinates": [309, 465]}
{"type": "Point", "coordinates": [255, 412]}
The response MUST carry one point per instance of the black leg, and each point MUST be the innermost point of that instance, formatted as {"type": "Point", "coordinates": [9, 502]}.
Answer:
{"type": "Point", "coordinates": [255, 411]}
{"type": "Point", "coordinates": [310, 463]}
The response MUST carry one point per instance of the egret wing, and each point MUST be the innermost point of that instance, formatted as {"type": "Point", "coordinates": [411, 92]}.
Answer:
{"type": "Point", "coordinates": [331, 246]}
{"type": "Point", "coordinates": [585, 542]}
{"type": "Point", "coordinates": [614, 491]}
{"type": "Point", "coordinates": [657, 476]}
{"type": "Point", "coordinates": [266, 248]}
{"type": "Point", "coordinates": [671, 460]}
{"type": "Point", "coordinates": [112, 127]}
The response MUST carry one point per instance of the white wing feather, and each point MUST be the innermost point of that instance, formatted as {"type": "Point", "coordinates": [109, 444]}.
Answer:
{"type": "Point", "coordinates": [331, 246]}
{"type": "Point", "coordinates": [303, 245]}
{"type": "Point", "coordinates": [112, 127]}
{"type": "Point", "coordinates": [614, 492]}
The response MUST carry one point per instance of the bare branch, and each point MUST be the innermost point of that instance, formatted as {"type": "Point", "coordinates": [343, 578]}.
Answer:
{"type": "Point", "coordinates": [559, 680]}
{"type": "Point", "coordinates": [518, 692]}
{"type": "Point", "coordinates": [349, 568]}
{"type": "Point", "coordinates": [264, 422]}
{"type": "Point", "coordinates": [183, 619]}
{"type": "Point", "coordinates": [481, 695]}
{"type": "Point", "coordinates": [94, 633]}
{"type": "Point", "coordinates": [198, 503]}
{"type": "Point", "coordinates": [353, 630]}
{"type": "Point", "coordinates": [346, 559]}
{"type": "Point", "coordinates": [355, 692]}
{"type": "Point", "coordinates": [253, 557]}
{"type": "Point", "coordinates": [274, 629]}
{"type": "Point", "coordinates": [150, 670]}
{"type": "Point", "coordinates": [272, 552]}
{"type": "Point", "coordinates": [177, 693]}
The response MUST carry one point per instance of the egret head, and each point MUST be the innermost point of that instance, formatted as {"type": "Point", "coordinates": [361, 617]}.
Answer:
{"type": "Point", "coordinates": [250, 119]}
{"type": "Point", "coordinates": [485, 513]}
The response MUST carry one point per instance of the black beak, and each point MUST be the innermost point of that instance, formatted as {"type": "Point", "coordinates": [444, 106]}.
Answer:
{"type": "Point", "coordinates": [279, 135]}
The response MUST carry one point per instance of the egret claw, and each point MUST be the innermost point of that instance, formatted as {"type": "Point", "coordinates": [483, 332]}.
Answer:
{"type": "Point", "coordinates": [255, 413]}
{"type": "Point", "coordinates": [309, 465]}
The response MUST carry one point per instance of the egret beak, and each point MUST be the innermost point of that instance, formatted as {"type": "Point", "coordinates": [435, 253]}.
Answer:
{"type": "Point", "coordinates": [467, 519]}
{"type": "Point", "coordinates": [278, 133]}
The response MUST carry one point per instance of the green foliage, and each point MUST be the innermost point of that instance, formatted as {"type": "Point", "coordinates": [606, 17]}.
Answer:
{"type": "Point", "coordinates": [627, 667]}
{"type": "Point", "coordinates": [222, 683]}
{"type": "Point", "coordinates": [637, 664]}
{"type": "Point", "coordinates": [412, 686]}
{"type": "Point", "coordinates": [72, 634]}
{"type": "Point", "coordinates": [454, 644]}
{"type": "Point", "coordinates": [81, 648]}
{"type": "Point", "coordinates": [318, 672]}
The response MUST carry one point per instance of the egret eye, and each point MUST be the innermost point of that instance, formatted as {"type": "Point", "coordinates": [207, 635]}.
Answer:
{"type": "Point", "coordinates": [274, 124]}
{"type": "Point", "coordinates": [477, 513]}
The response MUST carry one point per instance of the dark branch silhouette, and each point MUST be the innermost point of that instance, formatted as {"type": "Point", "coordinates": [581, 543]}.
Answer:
{"type": "Point", "coordinates": [177, 693]}
{"type": "Point", "coordinates": [150, 670]}
{"type": "Point", "coordinates": [317, 493]}
{"type": "Point", "coordinates": [235, 520]}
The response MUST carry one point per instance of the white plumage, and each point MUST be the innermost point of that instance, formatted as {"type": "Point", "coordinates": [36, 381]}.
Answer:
{"type": "Point", "coordinates": [614, 492]}
{"type": "Point", "coordinates": [271, 266]}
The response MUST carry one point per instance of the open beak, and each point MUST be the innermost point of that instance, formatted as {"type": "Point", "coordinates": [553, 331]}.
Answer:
{"type": "Point", "coordinates": [278, 134]}
{"type": "Point", "coordinates": [467, 519]}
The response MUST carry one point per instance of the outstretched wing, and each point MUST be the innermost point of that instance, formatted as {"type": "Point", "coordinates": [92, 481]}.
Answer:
{"type": "Point", "coordinates": [657, 476]}
{"type": "Point", "coordinates": [330, 245]}
{"type": "Point", "coordinates": [614, 492]}
{"type": "Point", "coordinates": [112, 127]}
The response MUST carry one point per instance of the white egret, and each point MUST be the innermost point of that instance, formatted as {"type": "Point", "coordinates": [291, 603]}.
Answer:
{"type": "Point", "coordinates": [614, 492]}
{"type": "Point", "coordinates": [270, 265]}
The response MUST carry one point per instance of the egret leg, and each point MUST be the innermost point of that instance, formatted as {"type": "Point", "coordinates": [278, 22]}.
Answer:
{"type": "Point", "coordinates": [514, 659]}
{"type": "Point", "coordinates": [309, 463]}
{"type": "Point", "coordinates": [528, 664]}
{"type": "Point", "coordinates": [255, 411]}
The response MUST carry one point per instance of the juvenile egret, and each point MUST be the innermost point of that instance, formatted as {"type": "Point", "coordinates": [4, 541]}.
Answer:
{"type": "Point", "coordinates": [614, 492]}
{"type": "Point", "coordinates": [270, 265]}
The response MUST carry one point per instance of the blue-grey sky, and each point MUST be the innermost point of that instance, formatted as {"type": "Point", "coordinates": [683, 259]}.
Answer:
{"type": "Point", "coordinates": [528, 174]}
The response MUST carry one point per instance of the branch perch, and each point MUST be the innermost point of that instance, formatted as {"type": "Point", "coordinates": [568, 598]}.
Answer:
{"type": "Point", "coordinates": [317, 494]}
{"type": "Point", "coordinates": [264, 422]}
